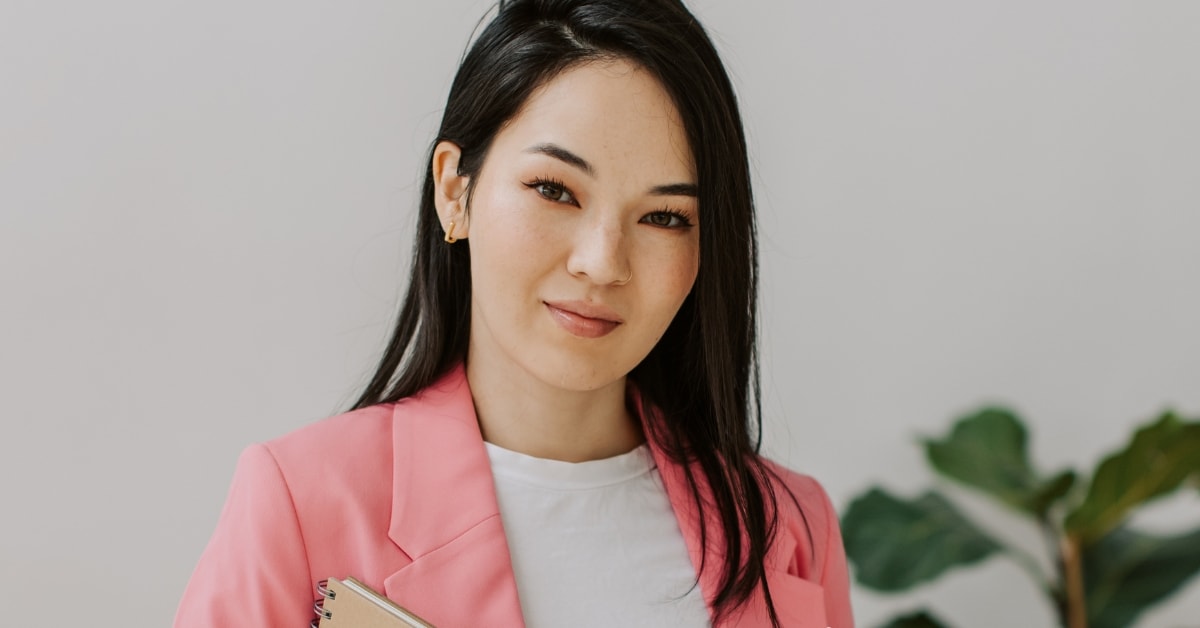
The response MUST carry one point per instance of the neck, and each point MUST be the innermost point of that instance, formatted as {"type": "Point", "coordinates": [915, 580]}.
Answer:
{"type": "Point", "coordinates": [518, 412]}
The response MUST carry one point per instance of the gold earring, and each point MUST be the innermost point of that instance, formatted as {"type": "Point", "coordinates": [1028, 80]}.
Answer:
{"type": "Point", "coordinates": [450, 234]}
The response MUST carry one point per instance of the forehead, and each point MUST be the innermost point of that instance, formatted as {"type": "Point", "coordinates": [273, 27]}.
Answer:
{"type": "Point", "coordinates": [612, 113]}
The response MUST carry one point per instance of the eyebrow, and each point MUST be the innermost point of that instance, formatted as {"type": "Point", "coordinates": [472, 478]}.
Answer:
{"type": "Point", "coordinates": [563, 155]}
{"type": "Point", "coordinates": [571, 159]}
{"type": "Point", "coordinates": [676, 189]}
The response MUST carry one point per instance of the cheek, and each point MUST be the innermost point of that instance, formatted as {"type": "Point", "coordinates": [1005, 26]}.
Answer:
{"type": "Point", "coordinates": [671, 273]}
{"type": "Point", "coordinates": [508, 244]}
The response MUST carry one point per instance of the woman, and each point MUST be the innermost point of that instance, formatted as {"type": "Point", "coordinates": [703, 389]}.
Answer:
{"type": "Point", "coordinates": [560, 430]}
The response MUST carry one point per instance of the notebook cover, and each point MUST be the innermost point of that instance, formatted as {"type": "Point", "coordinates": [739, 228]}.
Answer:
{"type": "Point", "coordinates": [352, 608]}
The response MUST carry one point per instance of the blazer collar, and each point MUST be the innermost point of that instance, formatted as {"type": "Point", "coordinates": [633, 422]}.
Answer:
{"type": "Point", "coordinates": [442, 478]}
{"type": "Point", "coordinates": [444, 513]}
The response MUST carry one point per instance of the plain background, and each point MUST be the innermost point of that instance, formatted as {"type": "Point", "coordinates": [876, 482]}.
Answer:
{"type": "Point", "coordinates": [206, 210]}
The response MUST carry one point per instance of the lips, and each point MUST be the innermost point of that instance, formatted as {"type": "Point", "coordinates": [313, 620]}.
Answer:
{"type": "Point", "coordinates": [583, 319]}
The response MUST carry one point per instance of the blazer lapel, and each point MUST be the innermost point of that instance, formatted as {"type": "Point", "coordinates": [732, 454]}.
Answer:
{"type": "Point", "coordinates": [444, 513]}
{"type": "Point", "coordinates": [686, 512]}
{"type": "Point", "coordinates": [798, 602]}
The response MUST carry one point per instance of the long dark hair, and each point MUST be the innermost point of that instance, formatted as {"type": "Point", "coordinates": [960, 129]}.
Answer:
{"type": "Point", "coordinates": [700, 383]}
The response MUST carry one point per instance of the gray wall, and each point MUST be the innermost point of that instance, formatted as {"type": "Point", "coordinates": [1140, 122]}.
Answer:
{"type": "Point", "coordinates": [205, 210]}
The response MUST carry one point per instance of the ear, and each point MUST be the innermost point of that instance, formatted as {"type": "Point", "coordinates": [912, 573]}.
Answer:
{"type": "Point", "coordinates": [450, 188]}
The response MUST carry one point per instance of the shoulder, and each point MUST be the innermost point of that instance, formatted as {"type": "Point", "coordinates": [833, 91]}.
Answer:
{"type": "Point", "coordinates": [808, 540]}
{"type": "Point", "coordinates": [368, 432]}
{"type": "Point", "coordinates": [807, 518]}
{"type": "Point", "coordinates": [337, 459]}
{"type": "Point", "coordinates": [362, 432]}
{"type": "Point", "coordinates": [799, 490]}
{"type": "Point", "coordinates": [293, 503]}
{"type": "Point", "coordinates": [805, 488]}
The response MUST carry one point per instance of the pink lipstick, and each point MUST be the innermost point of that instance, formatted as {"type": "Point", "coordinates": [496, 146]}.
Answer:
{"type": "Point", "coordinates": [583, 319]}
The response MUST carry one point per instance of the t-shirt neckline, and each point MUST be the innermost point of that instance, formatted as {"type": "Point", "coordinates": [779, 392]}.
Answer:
{"type": "Point", "coordinates": [561, 475]}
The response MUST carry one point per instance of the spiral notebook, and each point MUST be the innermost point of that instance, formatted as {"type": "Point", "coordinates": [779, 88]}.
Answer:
{"type": "Point", "coordinates": [349, 603]}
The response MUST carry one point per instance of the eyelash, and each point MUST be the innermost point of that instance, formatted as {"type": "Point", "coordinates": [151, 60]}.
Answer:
{"type": "Point", "coordinates": [684, 221]}
{"type": "Point", "coordinates": [558, 185]}
{"type": "Point", "coordinates": [554, 183]}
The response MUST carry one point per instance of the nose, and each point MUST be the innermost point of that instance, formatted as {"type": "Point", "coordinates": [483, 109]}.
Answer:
{"type": "Point", "coordinates": [600, 253]}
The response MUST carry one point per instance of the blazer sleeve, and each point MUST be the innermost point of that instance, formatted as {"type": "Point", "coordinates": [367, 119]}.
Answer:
{"type": "Point", "coordinates": [255, 570]}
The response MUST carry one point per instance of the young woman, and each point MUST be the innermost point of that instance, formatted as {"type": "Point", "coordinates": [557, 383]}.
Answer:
{"type": "Point", "coordinates": [562, 431]}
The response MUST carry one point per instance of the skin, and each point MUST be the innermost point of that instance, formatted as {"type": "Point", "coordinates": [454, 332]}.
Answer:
{"type": "Point", "coordinates": [619, 233]}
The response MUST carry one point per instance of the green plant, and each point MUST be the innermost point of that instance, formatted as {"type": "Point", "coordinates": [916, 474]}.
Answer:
{"type": "Point", "coordinates": [1106, 573]}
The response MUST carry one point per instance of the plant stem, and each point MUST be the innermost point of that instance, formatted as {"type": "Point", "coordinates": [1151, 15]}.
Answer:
{"type": "Point", "coordinates": [1072, 564]}
{"type": "Point", "coordinates": [1057, 593]}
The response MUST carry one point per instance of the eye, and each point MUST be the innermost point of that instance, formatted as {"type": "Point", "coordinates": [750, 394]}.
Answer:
{"type": "Point", "coordinates": [552, 190]}
{"type": "Point", "coordinates": [667, 218]}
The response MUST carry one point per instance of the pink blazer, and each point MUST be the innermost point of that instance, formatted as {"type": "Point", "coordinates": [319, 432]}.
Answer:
{"type": "Point", "coordinates": [400, 496]}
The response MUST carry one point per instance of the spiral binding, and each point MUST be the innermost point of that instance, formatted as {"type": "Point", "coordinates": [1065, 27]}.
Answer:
{"type": "Point", "coordinates": [319, 604]}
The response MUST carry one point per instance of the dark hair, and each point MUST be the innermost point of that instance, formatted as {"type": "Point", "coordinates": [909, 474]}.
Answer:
{"type": "Point", "coordinates": [700, 384]}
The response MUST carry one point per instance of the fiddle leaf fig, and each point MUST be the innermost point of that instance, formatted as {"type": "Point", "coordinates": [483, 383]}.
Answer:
{"type": "Point", "coordinates": [1158, 460]}
{"type": "Point", "coordinates": [987, 450]}
{"type": "Point", "coordinates": [1108, 573]}
{"type": "Point", "coordinates": [1126, 572]}
{"type": "Point", "coordinates": [919, 619]}
{"type": "Point", "coordinates": [1050, 492]}
{"type": "Point", "coordinates": [895, 544]}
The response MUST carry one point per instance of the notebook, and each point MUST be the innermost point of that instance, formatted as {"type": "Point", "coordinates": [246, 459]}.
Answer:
{"type": "Point", "coordinates": [349, 603]}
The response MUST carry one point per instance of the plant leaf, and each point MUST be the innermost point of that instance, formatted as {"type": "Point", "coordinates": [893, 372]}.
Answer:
{"type": "Point", "coordinates": [1127, 571]}
{"type": "Point", "coordinates": [896, 544]}
{"type": "Point", "coordinates": [1052, 490]}
{"type": "Point", "coordinates": [987, 450]}
{"type": "Point", "coordinates": [1159, 458]}
{"type": "Point", "coordinates": [919, 619]}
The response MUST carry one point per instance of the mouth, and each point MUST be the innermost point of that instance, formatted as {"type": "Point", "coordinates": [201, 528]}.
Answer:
{"type": "Point", "coordinates": [586, 320]}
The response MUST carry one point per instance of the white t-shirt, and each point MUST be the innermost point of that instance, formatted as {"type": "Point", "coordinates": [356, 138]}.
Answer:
{"type": "Point", "coordinates": [595, 543]}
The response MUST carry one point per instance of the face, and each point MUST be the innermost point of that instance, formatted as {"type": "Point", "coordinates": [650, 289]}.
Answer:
{"type": "Point", "coordinates": [583, 228]}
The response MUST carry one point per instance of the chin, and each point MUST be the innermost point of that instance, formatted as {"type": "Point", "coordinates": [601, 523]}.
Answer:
{"type": "Point", "coordinates": [578, 375]}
